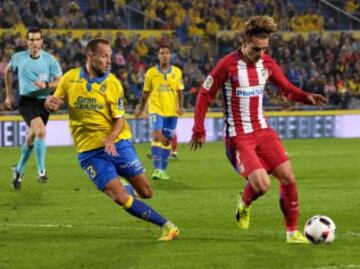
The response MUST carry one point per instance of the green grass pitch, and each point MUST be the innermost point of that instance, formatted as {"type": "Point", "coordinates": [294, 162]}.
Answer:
{"type": "Point", "coordinates": [67, 223]}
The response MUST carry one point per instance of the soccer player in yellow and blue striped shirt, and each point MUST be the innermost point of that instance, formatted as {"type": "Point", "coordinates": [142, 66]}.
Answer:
{"type": "Point", "coordinates": [95, 101]}
{"type": "Point", "coordinates": [164, 88]}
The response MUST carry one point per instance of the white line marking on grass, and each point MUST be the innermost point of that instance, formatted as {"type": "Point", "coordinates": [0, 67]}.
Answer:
{"type": "Point", "coordinates": [69, 226]}
{"type": "Point", "coordinates": [338, 266]}
{"type": "Point", "coordinates": [351, 234]}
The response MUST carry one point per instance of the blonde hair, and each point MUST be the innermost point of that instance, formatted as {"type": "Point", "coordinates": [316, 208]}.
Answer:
{"type": "Point", "coordinates": [260, 26]}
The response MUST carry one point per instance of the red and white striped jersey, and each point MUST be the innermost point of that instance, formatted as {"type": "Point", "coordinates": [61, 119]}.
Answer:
{"type": "Point", "coordinates": [243, 86]}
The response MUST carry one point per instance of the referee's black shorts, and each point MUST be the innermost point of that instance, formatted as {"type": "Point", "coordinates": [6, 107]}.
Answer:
{"type": "Point", "coordinates": [31, 108]}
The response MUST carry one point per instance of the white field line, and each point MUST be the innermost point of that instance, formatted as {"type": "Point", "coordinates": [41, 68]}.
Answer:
{"type": "Point", "coordinates": [340, 266]}
{"type": "Point", "coordinates": [71, 226]}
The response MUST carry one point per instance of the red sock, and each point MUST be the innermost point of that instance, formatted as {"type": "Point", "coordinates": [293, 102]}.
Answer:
{"type": "Point", "coordinates": [174, 144]}
{"type": "Point", "coordinates": [289, 205]}
{"type": "Point", "coordinates": [250, 194]}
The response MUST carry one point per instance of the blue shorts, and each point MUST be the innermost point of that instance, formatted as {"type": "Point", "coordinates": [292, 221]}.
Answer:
{"type": "Point", "coordinates": [102, 167]}
{"type": "Point", "coordinates": [167, 125]}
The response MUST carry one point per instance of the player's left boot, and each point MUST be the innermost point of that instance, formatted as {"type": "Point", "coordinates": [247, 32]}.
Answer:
{"type": "Point", "coordinates": [17, 178]}
{"type": "Point", "coordinates": [42, 177]}
{"type": "Point", "coordinates": [173, 155]}
{"type": "Point", "coordinates": [169, 232]}
{"type": "Point", "coordinates": [296, 238]}
{"type": "Point", "coordinates": [242, 215]}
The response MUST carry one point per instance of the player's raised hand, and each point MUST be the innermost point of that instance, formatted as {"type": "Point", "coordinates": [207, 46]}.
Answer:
{"type": "Point", "coordinates": [317, 100]}
{"type": "Point", "coordinates": [9, 102]}
{"type": "Point", "coordinates": [197, 140]}
{"type": "Point", "coordinates": [53, 103]}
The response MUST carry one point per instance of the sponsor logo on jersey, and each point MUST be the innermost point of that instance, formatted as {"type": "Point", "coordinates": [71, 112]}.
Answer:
{"type": "Point", "coordinates": [164, 88]}
{"type": "Point", "coordinates": [86, 103]}
{"type": "Point", "coordinates": [250, 91]}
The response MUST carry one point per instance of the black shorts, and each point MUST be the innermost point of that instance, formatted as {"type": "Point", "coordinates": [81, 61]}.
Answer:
{"type": "Point", "coordinates": [31, 108]}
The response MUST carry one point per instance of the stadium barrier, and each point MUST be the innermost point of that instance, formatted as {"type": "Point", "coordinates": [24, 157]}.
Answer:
{"type": "Point", "coordinates": [296, 124]}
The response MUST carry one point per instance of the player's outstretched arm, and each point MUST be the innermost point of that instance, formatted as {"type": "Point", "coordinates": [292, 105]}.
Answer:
{"type": "Point", "coordinates": [317, 100]}
{"type": "Point", "coordinates": [292, 92]}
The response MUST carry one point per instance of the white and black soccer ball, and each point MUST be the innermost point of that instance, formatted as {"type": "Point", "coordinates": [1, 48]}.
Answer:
{"type": "Point", "coordinates": [320, 229]}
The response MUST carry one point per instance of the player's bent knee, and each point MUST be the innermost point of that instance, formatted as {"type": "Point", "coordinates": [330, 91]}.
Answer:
{"type": "Point", "coordinates": [146, 193]}
{"type": "Point", "coordinates": [116, 193]}
{"type": "Point", "coordinates": [264, 186]}
{"type": "Point", "coordinates": [288, 180]}
{"type": "Point", "coordinates": [157, 136]}
{"type": "Point", "coordinates": [40, 133]}
{"type": "Point", "coordinates": [165, 141]}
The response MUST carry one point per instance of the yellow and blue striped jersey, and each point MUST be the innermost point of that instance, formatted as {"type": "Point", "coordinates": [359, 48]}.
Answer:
{"type": "Point", "coordinates": [163, 87]}
{"type": "Point", "coordinates": [93, 104]}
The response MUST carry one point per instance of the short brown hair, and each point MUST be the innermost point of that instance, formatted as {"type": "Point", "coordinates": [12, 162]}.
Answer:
{"type": "Point", "coordinates": [93, 44]}
{"type": "Point", "coordinates": [260, 26]}
{"type": "Point", "coordinates": [164, 46]}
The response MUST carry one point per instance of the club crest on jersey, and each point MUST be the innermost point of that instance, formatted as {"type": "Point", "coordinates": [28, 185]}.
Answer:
{"type": "Point", "coordinates": [209, 81]}
{"type": "Point", "coordinates": [102, 88]}
{"type": "Point", "coordinates": [265, 73]}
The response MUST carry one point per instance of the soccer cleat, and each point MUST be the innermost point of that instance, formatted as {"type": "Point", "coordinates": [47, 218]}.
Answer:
{"type": "Point", "coordinates": [17, 178]}
{"type": "Point", "coordinates": [149, 156]}
{"type": "Point", "coordinates": [169, 232]}
{"type": "Point", "coordinates": [42, 177]}
{"type": "Point", "coordinates": [243, 216]}
{"type": "Point", "coordinates": [296, 238]}
{"type": "Point", "coordinates": [164, 175]}
{"type": "Point", "coordinates": [156, 174]}
{"type": "Point", "coordinates": [174, 155]}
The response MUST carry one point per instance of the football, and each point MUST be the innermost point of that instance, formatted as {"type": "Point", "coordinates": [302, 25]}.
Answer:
{"type": "Point", "coordinates": [320, 229]}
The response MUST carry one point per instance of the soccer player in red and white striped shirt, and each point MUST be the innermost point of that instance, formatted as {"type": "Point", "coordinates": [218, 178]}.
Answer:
{"type": "Point", "coordinates": [252, 146]}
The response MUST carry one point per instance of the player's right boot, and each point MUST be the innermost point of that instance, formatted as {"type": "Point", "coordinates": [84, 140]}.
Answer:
{"type": "Point", "coordinates": [17, 178]}
{"type": "Point", "coordinates": [173, 155]}
{"type": "Point", "coordinates": [243, 215]}
{"type": "Point", "coordinates": [296, 238]}
{"type": "Point", "coordinates": [42, 177]}
{"type": "Point", "coordinates": [169, 232]}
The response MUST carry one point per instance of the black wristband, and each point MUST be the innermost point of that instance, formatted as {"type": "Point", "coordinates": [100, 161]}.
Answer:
{"type": "Point", "coordinates": [47, 85]}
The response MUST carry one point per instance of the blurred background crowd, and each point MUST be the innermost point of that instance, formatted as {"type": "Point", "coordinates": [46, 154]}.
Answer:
{"type": "Point", "coordinates": [325, 60]}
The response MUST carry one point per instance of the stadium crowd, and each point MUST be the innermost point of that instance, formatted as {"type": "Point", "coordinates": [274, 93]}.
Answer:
{"type": "Point", "coordinates": [325, 64]}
